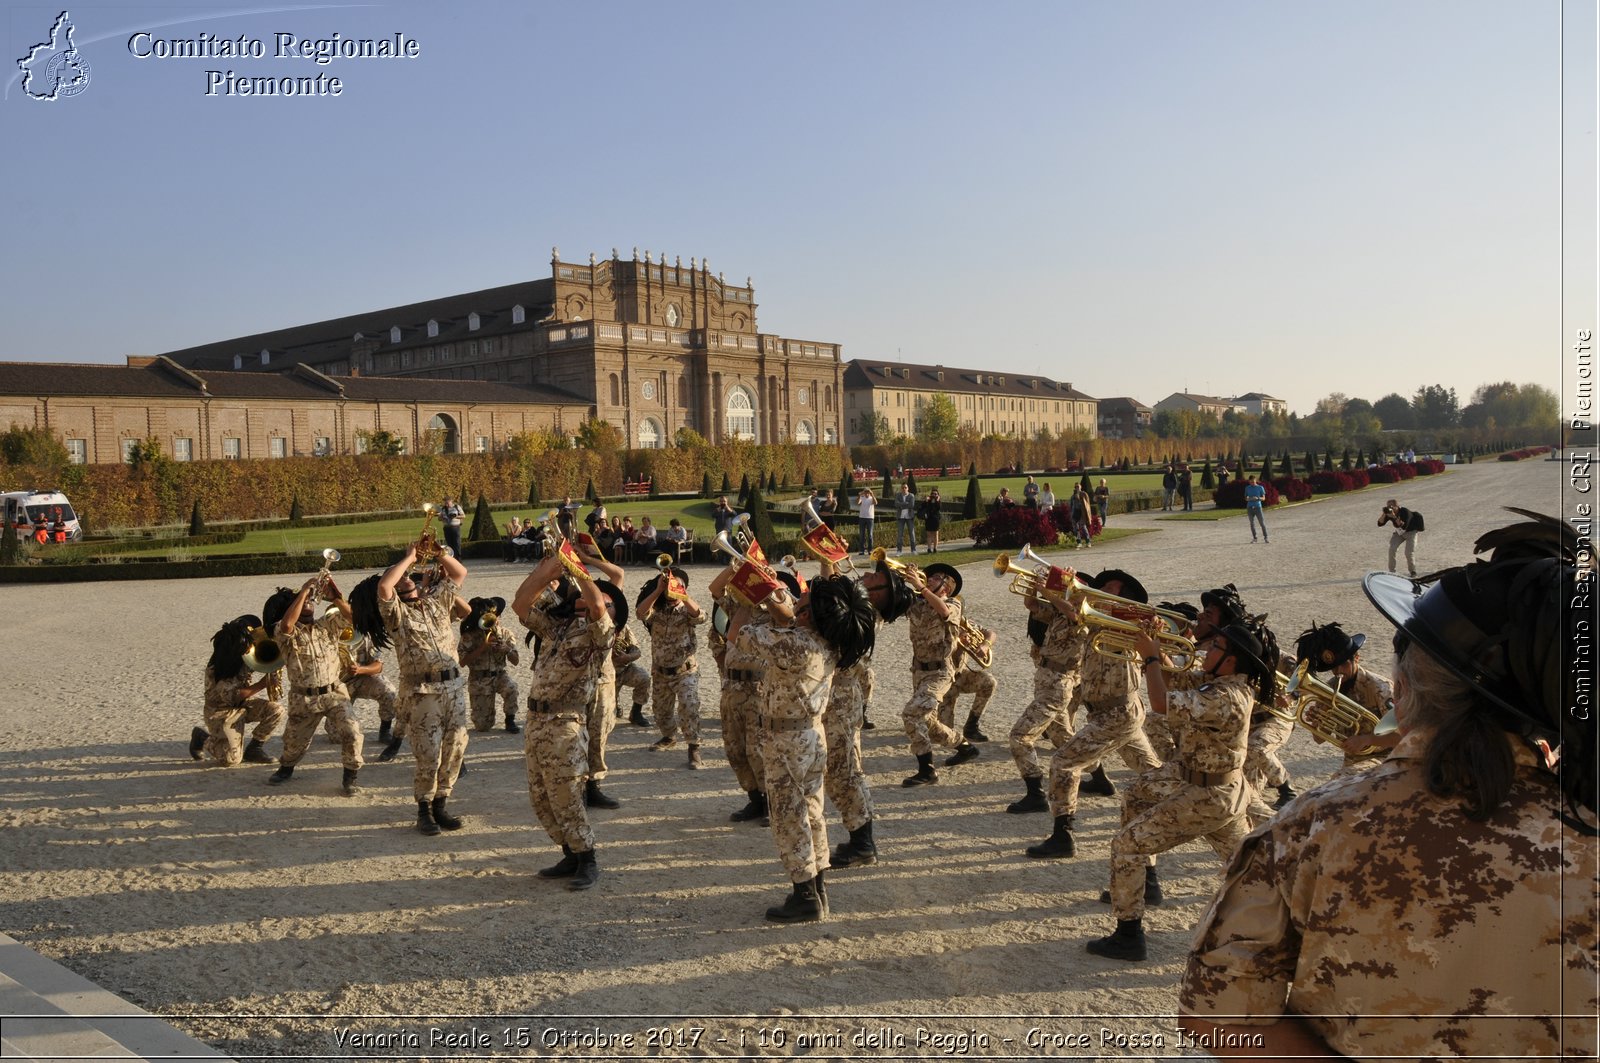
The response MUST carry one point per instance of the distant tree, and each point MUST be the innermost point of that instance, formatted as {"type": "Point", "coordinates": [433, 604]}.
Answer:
{"type": "Point", "coordinates": [483, 527]}
{"type": "Point", "coordinates": [1286, 466]}
{"type": "Point", "coordinates": [296, 513]}
{"type": "Point", "coordinates": [972, 468]}
{"type": "Point", "coordinates": [875, 430]}
{"type": "Point", "coordinates": [687, 438]}
{"type": "Point", "coordinates": [744, 489]}
{"type": "Point", "coordinates": [727, 485]}
{"type": "Point", "coordinates": [844, 487]}
{"type": "Point", "coordinates": [381, 442]}
{"type": "Point", "coordinates": [1344, 462]}
{"type": "Point", "coordinates": [1436, 407]}
{"type": "Point", "coordinates": [597, 434]}
{"type": "Point", "coordinates": [972, 505]}
{"type": "Point", "coordinates": [772, 482]}
{"type": "Point", "coordinates": [940, 419]}
{"type": "Point", "coordinates": [589, 492]}
{"type": "Point", "coordinates": [36, 447]}
{"type": "Point", "coordinates": [197, 521]}
{"type": "Point", "coordinates": [808, 481]}
{"type": "Point", "coordinates": [760, 519]}
{"type": "Point", "coordinates": [1327, 461]}
{"type": "Point", "coordinates": [1311, 464]}
{"type": "Point", "coordinates": [1394, 412]}
{"type": "Point", "coordinates": [533, 492]}
{"type": "Point", "coordinates": [705, 485]}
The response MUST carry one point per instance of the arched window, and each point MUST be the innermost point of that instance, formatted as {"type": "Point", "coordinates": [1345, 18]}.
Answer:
{"type": "Point", "coordinates": [829, 436]}
{"type": "Point", "coordinates": [650, 434]}
{"type": "Point", "coordinates": [741, 414]}
{"type": "Point", "coordinates": [448, 436]}
{"type": "Point", "coordinates": [803, 434]}
{"type": "Point", "coordinates": [616, 390]}
{"type": "Point", "coordinates": [683, 391]}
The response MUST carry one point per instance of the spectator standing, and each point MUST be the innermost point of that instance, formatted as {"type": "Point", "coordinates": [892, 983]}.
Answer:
{"type": "Point", "coordinates": [932, 518]}
{"type": "Point", "coordinates": [828, 506]}
{"type": "Point", "coordinates": [1047, 498]}
{"type": "Point", "coordinates": [1407, 526]}
{"type": "Point", "coordinates": [906, 520]}
{"type": "Point", "coordinates": [1102, 500]}
{"type": "Point", "coordinates": [1186, 488]}
{"type": "Point", "coordinates": [597, 516]}
{"type": "Point", "coordinates": [1255, 495]}
{"type": "Point", "coordinates": [866, 516]}
{"type": "Point", "coordinates": [722, 514]}
{"type": "Point", "coordinates": [567, 518]}
{"type": "Point", "coordinates": [450, 517]}
{"type": "Point", "coordinates": [1030, 494]}
{"type": "Point", "coordinates": [1169, 487]}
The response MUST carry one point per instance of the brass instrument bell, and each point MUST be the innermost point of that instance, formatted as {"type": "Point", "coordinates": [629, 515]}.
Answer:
{"type": "Point", "coordinates": [1326, 713]}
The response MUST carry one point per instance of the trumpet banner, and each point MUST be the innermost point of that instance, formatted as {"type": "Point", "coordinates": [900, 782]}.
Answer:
{"type": "Point", "coordinates": [825, 544]}
{"type": "Point", "coordinates": [751, 585]}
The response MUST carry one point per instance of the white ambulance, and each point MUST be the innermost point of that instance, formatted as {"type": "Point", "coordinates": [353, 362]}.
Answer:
{"type": "Point", "coordinates": [24, 508]}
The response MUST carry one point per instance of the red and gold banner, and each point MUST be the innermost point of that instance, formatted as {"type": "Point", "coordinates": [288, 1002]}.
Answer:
{"type": "Point", "coordinates": [825, 545]}
{"type": "Point", "coordinates": [751, 585]}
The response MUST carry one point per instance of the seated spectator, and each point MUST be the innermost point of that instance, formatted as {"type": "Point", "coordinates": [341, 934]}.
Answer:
{"type": "Point", "coordinates": [673, 539]}
{"type": "Point", "coordinates": [1003, 499]}
{"type": "Point", "coordinates": [645, 540]}
{"type": "Point", "coordinates": [513, 529]}
{"type": "Point", "coordinates": [625, 546]}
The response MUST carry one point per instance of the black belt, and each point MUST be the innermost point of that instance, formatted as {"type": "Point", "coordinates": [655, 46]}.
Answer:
{"type": "Point", "coordinates": [1208, 778]}
{"type": "Point", "coordinates": [929, 666]}
{"type": "Point", "coordinates": [679, 670]}
{"type": "Point", "coordinates": [745, 675]}
{"type": "Point", "coordinates": [317, 692]}
{"type": "Point", "coordinates": [765, 724]}
{"type": "Point", "coordinates": [444, 675]}
{"type": "Point", "coordinates": [540, 706]}
{"type": "Point", "coordinates": [486, 673]}
{"type": "Point", "coordinates": [1059, 669]}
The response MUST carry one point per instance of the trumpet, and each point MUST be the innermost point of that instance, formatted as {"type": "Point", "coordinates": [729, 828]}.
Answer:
{"type": "Point", "coordinates": [489, 622]}
{"type": "Point", "coordinates": [330, 557]}
{"type": "Point", "coordinates": [1032, 576]}
{"type": "Point", "coordinates": [675, 590]}
{"type": "Point", "coordinates": [1118, 623]}
{"type": "Point", "coordinates": [906, 570]}
{"type": "Point", "coordinates": [777, 595]}
{"type": "Point", "coordinates": [1326, 713]}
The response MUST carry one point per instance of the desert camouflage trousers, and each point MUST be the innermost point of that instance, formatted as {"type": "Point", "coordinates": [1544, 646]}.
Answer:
{"type": "Point", "coordinates": [794, 764]}
{"type": "Point", "coordinates": [1262, 768]}
{"type": "Point", "coordinates": [740, 703]}
{"type": "Point", "coordinates": [599, 722]}
{"type": "Point", "coordinates": [1117, 730]}
{"type": "Point", "coordinates": [1047, 715]}
{"type": "Point", "coordinates": [637, 677]}
{"type": "Point", "coordinates": [921, 714]}
{"type": "Point", "coordinates": [555, 751]}
{"type": "Point", "coordinates": [1162, 810]}
{"type": "Point", "coordinates": [304, 716]}
{"type": "Point", "coordinates": [374, 688]}
{"type": "Point", "coordinates": [975, 681]}
{"type": "Point", "coordinates": [436, 724]}
{"type": "Point", "coordinates": [225, 746]}
{"type": "Point", "coordinates": [677, 705]}
{"type": "Point", "coordinates": [844, 777]}
{"type": "Point", "coordinates": [482, 693]}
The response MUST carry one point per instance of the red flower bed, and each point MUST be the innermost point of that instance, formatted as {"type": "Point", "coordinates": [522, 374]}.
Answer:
{"type": "Point", "coordinates": [1292, 488]}
{"type": "Point", "coordinates": [1524, 454]}
{"type": "Point", "coordinates": [1328, 483]}
{"type": "Point", "coordinates": [1359, 477]}
{"type": "Point", "coordinates": [1232, 496]}
{"type": "Point", "coordinates": [1011, 526]}
{"type": "Point", "coordinates": [1394, 472]}
{"type": "Point", "coordinates": [1429, 466]}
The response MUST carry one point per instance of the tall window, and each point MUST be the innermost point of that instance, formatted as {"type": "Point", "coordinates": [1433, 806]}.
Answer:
{"type": "Point", "coordinates": [650, 434]}
{"type": "Point", "coordinates": [803, 434]}
{"type": "Point", "coordinates": [78, 451]}
{"type": "Point", "coordinates": [616, 390]}
{"type": "Point", "coordinates": [830, 437]}
{"type": "Point", "coordinates": [182, 449]}
{"type": "Point", "coordinates": [127, 450]}
{"type": "Point", "coordinates": [231, 448]}
{"type": "Point", "coordinates": [741, 414]}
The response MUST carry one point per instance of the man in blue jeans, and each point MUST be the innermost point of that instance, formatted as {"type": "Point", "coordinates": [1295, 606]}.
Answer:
{"type": "Point", "coordinates": [906, 515]}
{"type": "Point", "coordinates": [1254, 495]}
{"type": "Point", "coordinates": [866, 514]}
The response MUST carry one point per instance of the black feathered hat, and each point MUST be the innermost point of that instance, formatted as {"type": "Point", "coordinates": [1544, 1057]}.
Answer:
{"type": "Point", "coordinates": [843, 616]}
{"type": "Point", "coordinates": [897, 594]}
{"type": "Point", "coordinates": [1229, 606]}
{"type": "Point", "coordinates": [1132, 589]}
{"type": "Point", "coordinates": [229, 644]}
{"type": "Point", "coordinates": [276, 606]}
{"type": "Point", "coordinates": [619, 602]}
{"type": "Point", "coordinates": [479, 606]}
{"type": "Point", "coordinates": [650, 585]}
{"type": "Point", "coordinates": [940, 568]}
{"type": "Point", "coordinates": [1327, 646]}
{"type": "Point", "coordinates": [364, 614]}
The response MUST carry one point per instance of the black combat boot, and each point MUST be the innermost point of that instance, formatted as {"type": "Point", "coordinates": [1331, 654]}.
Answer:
{"type": "Point", "coordinates": [511, 724]}
{"type": "Point", "coordinates": [391, 749]}
{"type": "Point", "coordinates": [425, 821]}
{"type": "Point", "coordinates": [385, 730]}
{"type": "Point", "coordinates": [868, 725]}
{"type": "Point", "coordinates": [1059, 843]}
{"type": "Point", "coordinates": [694, 756]}
{"type": "Point", "coordinates": [925, 773]}
{"type": "Point", "coordinates": [1152, 890]}
{"type": "Point", "coordinates": [1098, 783]}
{"type": "Point", "coordinates": [971, 733]}
{"type": "Point", "coordinates": [964, 752]}
{"type": "Point", "coordinates": [594, 797]}
{"type": "Point", "coordinates": [859, 851]}
{"type": "Point", "coordinates": [563, 868]}
{"type": "Point", "coordinates": [822, 894]}
{"type": "Point", "coordinates": [1126, 944]}
{"type": "Point", "coordinates": [801, 906]}
{"type": "Point", "coordinates": [636, 717]}
{"type": "Point", "coordinates": [281, 776]}
{"type": "Point", "coordinates": [197, 742]}
{"type": "Point", "coordinates": [754, 810]}
{"type": "Point", "coordinates": [254, 754]}
{"type": "Point", "coordinates": [348, 785]}
{"type": "Point", "coordinates": [445, 820]}
{"type": "Point", "coordinates": [1034, 800]}
{"type": "Point", "coordinates": [587, 872]}
{"type": "Point", "coordinates": [1286, 793]}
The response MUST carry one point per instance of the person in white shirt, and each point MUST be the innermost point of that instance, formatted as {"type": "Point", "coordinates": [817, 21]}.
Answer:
{"type": "Point", "coordinates": [866, 516]}
{"type": "Point", "coordinates": [1047, 498]}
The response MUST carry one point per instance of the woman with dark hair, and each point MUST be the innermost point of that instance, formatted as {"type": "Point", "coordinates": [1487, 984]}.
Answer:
{"type": "Point", "coordinates": [1443, 903]}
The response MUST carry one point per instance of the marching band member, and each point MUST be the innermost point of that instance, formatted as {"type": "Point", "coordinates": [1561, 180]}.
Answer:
{"type": "Point", "coordinates": [1441, 904]}
{"type": "Point", "coordinates": [978, 682]}
{"type": "Point", "coordinates": [311, 648]}
{"type": "Point", "coordinates": [829, 625]}
{"type": "Point", "coordinates": [231, 702]}
{"type": "Point", "coordinates": [420, 619]}
{"type": "Point", "coordinates": [574, 636]}
{"type": "Point", "coordinates": [933, 619]}
{"type": "Point", "coordinates": [740, 700]}
{"type": "Point", "coordinates": [625, 654]}
{"type": "Point", "coordinates": [1059, 644]}
{"type": "Point", "coordinates": [1113, 723]}
{"type": "Point", "coordinates": [486, 653]}
{"type": "Point", "coordinates": [674, 672]}
{"type": "Point", "coordinates": [1200, 793]}
{"type": "Point", "coordinates": [1329, 649]}
{"type": "Point", "coordinates": [1269, 731]}
{"type": "Point", "coordinates": [363, 677]}
{"type": "Point", "coordinates": [603, 705]}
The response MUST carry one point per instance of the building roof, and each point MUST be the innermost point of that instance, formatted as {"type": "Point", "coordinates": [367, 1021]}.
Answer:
{"type": "Point", "coordinates": [1199, 400]}
{"type": "Point", "coordinates": [869, 373]}
{"type": "Point", "coordinates": [325, 341]}
{"type": "Point", "coordinates": [161, 378]}
{"type": "Point", "coordinates": [1257, 396]}
{"type": "Point", "coordinates": [1126, 400]}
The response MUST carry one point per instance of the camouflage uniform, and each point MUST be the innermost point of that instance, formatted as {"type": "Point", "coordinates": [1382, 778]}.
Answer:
{"type": "Point", "coordinates": [933, 643]}
{"type": "Point", "coordinates": [1396, 925]}
{"type": "Point", "coordinates": [1374, 693]}
{"type": "Point", "coordinates": [740, 706]}
{"type": "Point", "coordinates": [630, 671]}
{"type": "Point", "coordinates": [433, 703]}
{"type": "Point", "coordinates": [1201, 793]}
{"type": "Point", "coordinates": [226, 714]}
{"type": "Point", "coordinates": [979, 682]}
{"type": "Point", "coordinates": [1113, 723]}
{"type": "Point", "coordinates": [845, 778]}
{"type": "Point", "coordinates": [1057, 670]}
{"type": "Point", "coordinates": [312, 679]}
{"type": "Point", "coordinates": [489, 676]}
{"type": "Point", "coordinates": [370, 687]}
{"type": "Point", "coordinates": [602, 709]}
{"type": "Point", "coordinates": [555, 746]}
{"type": "Point", "coordinates": [674, 672]}
{"type": "Point", "coordinates": [793, 693]}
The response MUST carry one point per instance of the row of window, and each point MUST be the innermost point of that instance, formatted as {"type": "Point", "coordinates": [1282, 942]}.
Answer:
{"type": "Point", "coordinates": [445, 352]}
{"type": "Point", "coordinates": [183, 448]}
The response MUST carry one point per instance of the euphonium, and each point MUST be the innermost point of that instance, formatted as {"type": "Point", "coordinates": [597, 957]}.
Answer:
{"type": "Point", "coordinates": [978, 643]}
{"type": "Point", "coordinates": [1326, 713]}
{"type": "Point", "coordinates": [264, 654]}
{"type": "Point", "coordinates": [1118, 622]}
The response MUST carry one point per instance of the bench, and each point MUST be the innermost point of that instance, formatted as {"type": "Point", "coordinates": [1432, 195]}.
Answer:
{"type": "Point", "coordinates": [640, 488]}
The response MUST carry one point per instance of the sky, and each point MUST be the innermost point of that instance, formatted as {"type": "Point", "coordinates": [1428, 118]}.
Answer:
{"type": "Point", "coordinates": [1135, 197]}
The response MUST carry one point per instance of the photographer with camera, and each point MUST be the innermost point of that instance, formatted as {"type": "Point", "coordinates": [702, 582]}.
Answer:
{"type": "Point", "coordinates": [1407, 526]}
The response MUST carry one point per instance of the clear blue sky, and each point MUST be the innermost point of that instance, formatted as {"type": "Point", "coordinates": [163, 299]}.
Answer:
{"type": "Point", "coordinates": [1136, 197]}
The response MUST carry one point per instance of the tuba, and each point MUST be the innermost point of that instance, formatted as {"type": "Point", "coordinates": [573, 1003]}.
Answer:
{"type": "Point", "coordinates": [1118, 622]}
{"type": "Point", "coordinates": [1326, 713]}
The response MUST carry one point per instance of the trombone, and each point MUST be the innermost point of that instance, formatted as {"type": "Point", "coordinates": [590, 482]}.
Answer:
{"type": "Point", "coordinates": [1329, 715]}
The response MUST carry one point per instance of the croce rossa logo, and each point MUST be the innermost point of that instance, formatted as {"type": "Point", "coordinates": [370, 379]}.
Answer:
{"type": "Point", "coordinates": [54, 70]}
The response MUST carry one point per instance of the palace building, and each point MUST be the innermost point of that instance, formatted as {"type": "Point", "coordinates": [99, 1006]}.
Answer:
{"type": "Point", "coordinates": [1013, 404]}
{"type": "Point", "coordinates": [653, 347]}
